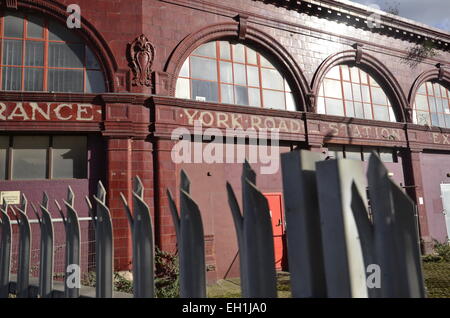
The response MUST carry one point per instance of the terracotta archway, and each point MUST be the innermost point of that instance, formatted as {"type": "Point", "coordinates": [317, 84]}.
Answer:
{"type": "Point", "coordinates": [87, 31]}
{"type": "Point", "coordinates": [375, 68]}
{"type": "Point", "coordinates": [259, 40]}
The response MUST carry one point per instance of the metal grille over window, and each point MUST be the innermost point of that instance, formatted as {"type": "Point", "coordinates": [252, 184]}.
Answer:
{"type": "Point", "coordinates": [351, 92]}
{"type": "Point", "coordinates": [43, 55]}
{"type": "Point", "coordinates": [229, 73]}
{"type": "Point", "coordinates": [432, 105]}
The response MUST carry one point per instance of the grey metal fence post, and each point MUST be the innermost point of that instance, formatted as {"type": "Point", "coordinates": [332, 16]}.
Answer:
{"type": "Point", "coordinates": [396, 235]}
{"type": "Point", "coordinates": [72, 227]}
{"type": "Point", "coordinates": [256, 239]}
{"type": "Point", "coordinates": [143, 242]}
{"type": "Point", "coordinates": [343, 255]}
{"type": "Point", "coordinates": [5, 250]}
{"type": "Point", "coordinates": [23, 271]}
{"type": "Point", "coordinates": [104, 245]}
{"type": "Point", "coordinates": [304, 241]}
{"type": "Point", "coordinates": [46, 249]}
{"type": "Point", "coordinates": [191, 243]}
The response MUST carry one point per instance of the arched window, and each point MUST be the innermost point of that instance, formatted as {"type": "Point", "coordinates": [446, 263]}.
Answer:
{"type": "Point", "coordinates": [234, 74]}
{"type": "Point", "coordinates": [39, 54]}
{"type": "Point", "coordinates": [432, 105]}
{"type": "Point", "coordinates": [351, 92]}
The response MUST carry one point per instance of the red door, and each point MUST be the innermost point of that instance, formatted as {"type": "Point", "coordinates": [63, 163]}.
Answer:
{"type": "Point", "coordinates": [275, 205]}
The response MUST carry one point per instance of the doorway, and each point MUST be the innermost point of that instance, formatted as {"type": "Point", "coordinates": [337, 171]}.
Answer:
{"type": "Point", "coordinates": [278, 228]}
{"type": "Point", "coordinates": [445, 195]}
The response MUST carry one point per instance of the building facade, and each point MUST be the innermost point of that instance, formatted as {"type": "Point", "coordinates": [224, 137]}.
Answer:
{"type": "Point", "coordinates": [102, 102]}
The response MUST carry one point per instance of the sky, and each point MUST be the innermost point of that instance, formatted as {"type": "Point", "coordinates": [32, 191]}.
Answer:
{"type": "Point", "coordinates": [435, 13]}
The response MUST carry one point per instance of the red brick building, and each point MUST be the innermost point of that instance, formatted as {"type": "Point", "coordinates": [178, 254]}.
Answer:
{"type": "Point", "coordinates": [101, 101]}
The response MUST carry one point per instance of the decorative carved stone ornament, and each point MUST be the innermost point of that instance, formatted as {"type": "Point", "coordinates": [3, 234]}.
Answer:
{"type": "Point", "coordinates": [141, 54]}
{"type": "Point", "coordinates": [441, 68]}
{"type": "Point", "coordinates": [243, 19]}
{"type": "Point", "coordinates": [359, 52]}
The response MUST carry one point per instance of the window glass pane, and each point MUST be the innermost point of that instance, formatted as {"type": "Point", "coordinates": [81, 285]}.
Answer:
{"type": "Point", "coordinates": [447, 119]}
{"type": "Point", "coordinates": [35, 27]}
{"type": "Point", "coordinates": [334, 107]}
{"type": "Point", "coordinates": [345, 73]}
{"type": "Point", "coordinates": [265, 62]}
{"type": "Point", "coordinates": [392, 116]}
{"type": "Point", "coordinates": [355, 74]}
{"type": "Point", "coordinates": [34, 55]}
{"type": "Point", "coordinates": [334, 73]}
{"type": "Point", "coordinates": [95, 83]}
{"type": "Point", "coordinates": [12, 78]}
{"type": "Point", "coordinates": [381, 113]}
{"type": "Point", "coordinates": [349, 109]}
{"type": "Point", "coordinates": [227, 94]}
{"type": "Point", "coordinates": [208, 49]}
{"type": "Point", "coordinates": [239, 74]}
{"type": "Point", "coordinates": [363, 76]}
{"type": "Point", "coordinates": [65, 55]}
{"type": "Point", "coordinates": [254, 97]}
{"type": "Point", "coordinates": [225, 50]}
{"type": "Point", "coordinates": [253, 76]}
{"type": "Point", "coordinates": [378, 96]}
{"type": "Point", "coordinates": [34, 79]}
{"type": "Point", "coordinates": [272, 79]}
{"type": "Point", "coordinates": [202, 68]}
{"type": "Point", "coordinates": [422, 89]}
{"type": "Point", "coordinates": [12, 52]}
{"type": "Point", "coordinates": [321, 105]}
{"type": "Point", "coordinates": [59, 32]}
{"type": "Point", "coordinates": [184, 72]}
{"type": "Point", "coordinates": [251, 56]}
{"type": "Point", "coordinates": [4, 144]}
{"type": "Point", "coordinates": [373, 82]}
{"type": "Point", "coordinates": [205, 91]}
{"type": "Point", "coordinates": [69, 157]}
{"type": "Point", "coordinates": [91, 60]}
{"type": "Point", "coordinates": [241, 94]}
{"type": "Point", "coordinates": [30, 157]}
{"type": "Point", "coordinates": [13, 25]}
{"type": "Point", "coordinates": [357, 93]}
{"type": "Point", "coordinates": [432, 103]}
{"type": "Point", "coordinates": [70, 81]}
{"type": "Point", "coordinates": [367, 111]}
{"type": "Point", "coordinates": [274, 99]}
{"type": "Point", "coordinates": [387, 155]}
{"type": "Point", "coordinates": [437, 90]}
{"type": "Point", "coordinates": [359, 110]}
{"type": "Point", "coordinates": [183, 89]}
{"type": "Point", "coordinates": [287, 88]}
{"type": "Point", "coordinates": [332, 88]}
{"type": "Point", "coordinates": [421, 102]}
{"type": "Point", "coordinates": [353, 153]}
{"type": "Point", "coordinates": [365, 93]}
{"type": "Point", "coordinates": [290, 102]}
{"type": "Point", "coordinates": [238, 53]}
{"type": "Point", "coordinates": [348, 94]}
{"type": "Point", "coordinates": [226, 72]}
{"type": "Point", "coordinates": [423, 118]}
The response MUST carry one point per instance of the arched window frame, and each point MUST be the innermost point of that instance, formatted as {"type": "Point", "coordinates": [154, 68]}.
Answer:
{"type": "Point", "coordinates": [434, 100]}
{"type": "Point", "coordinates": [45, 67]}
{"type": "Point", "coordinates": [237, 66]}
{"type": "Point", "coordinates": [360, 95]}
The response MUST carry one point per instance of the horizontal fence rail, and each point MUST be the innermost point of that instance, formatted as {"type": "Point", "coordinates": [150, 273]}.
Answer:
{"type": "Point", "coordinates": [331, 240]}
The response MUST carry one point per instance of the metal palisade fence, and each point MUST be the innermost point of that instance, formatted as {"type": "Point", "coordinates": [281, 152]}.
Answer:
{"type": "Point", "coordinates": [332, 242]}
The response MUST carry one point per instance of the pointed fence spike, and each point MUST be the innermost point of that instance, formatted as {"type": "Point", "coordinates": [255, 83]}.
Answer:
{"type": "Point", "coordinates": [127, 210]}
{"type": "Point", "coordinates": [45, 200]}
{"type": "Point", "coordinates": [5, 251]}
{"type": "Point", "coordinates": [60, 211]}
{"type": "Point", "coordinates": [24, 204]}
{"type": "Point", "coordinates": [191, 249]}
{"type": "Point", "coordinates": [175, 214]}
{"type": "Point", "coordinates": [70, 196]}
{"type": "Point", "coordinates": [35, 212]}
{"type": "Point", "coordinates": [185, 183]}
{"type": "Point", "coordinates": [138, 187]}
{"type": "Point", "coordinates": [101, 192]}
